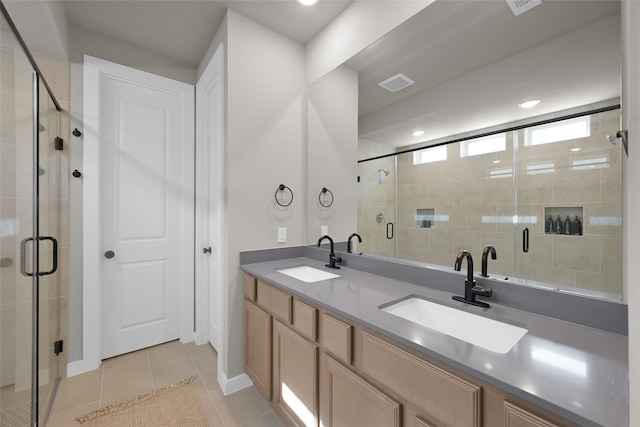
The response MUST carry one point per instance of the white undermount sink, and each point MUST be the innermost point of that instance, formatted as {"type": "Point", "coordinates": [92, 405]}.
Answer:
{"type": "Point", "coordinates": [493, 335]}
{"type": "Point", "coordinates": [308, 274]}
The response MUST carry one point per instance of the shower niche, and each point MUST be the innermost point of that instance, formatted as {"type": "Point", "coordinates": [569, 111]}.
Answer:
{"type": "Point", "coordinates": [566, 220]}
{"type": "Point", "coordinates": [425, 217]}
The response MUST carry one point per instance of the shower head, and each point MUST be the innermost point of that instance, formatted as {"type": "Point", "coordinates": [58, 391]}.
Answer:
{"type": "Point", "coordinates": [380, 172]}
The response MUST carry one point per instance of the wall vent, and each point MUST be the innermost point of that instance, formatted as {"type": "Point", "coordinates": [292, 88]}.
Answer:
{"type": "Point", "coordinates": [521, 6]}
{"type": "Point", "coordinates": [397, 82]}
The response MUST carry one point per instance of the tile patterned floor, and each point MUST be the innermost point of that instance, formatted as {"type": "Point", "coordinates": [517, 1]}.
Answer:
{"type": "Point", "coordinates": [132, 374]}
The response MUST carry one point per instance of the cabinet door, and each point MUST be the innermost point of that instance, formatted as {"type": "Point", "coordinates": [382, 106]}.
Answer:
{"type": "Point", "coordinates": [295, 376]}
{"type": "Point", "coordinates": [515, 416]}
{"type": "Point", "coordinates": [347, 400]}
{"type": "Point", "coordinates": [257, 347]}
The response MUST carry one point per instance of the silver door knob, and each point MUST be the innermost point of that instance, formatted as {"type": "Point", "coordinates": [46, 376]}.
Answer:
{"type": "Point", "coordinates": [109, 254]}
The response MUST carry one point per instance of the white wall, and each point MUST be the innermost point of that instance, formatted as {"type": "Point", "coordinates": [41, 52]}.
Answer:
{"type": "Point", "coordinates": [84, 42]}
{"type": "Point", "coordinates": [631, 199]}
{"type": "Point", "coordinates": [332, 157]}
{"type": "Point", "coordinates": [264, 148]}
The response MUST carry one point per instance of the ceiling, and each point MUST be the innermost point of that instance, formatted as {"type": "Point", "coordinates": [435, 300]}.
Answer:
{"type": "Point", "coordinates": [474, 61]}
{"type": "Point", "coordinates": [183, 29]}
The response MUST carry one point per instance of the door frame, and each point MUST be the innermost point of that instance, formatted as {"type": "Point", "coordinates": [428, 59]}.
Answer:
{"type": "Point", "coordinates": [93, 70]}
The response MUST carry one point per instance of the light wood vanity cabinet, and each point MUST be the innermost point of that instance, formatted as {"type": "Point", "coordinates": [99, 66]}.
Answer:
{"type": "Point", "coordinates": [440, 393]}
{"type": "Point", "coordinates": [348, 400]}
{"type": "Point", "coordinates": [257, 347]}
{"type": "Point", "coordinates": [317, 368]}
{"type": "Point", "coordinates": [295, 376]}
{"type": "Point", "coordinates": [281, 356]}
{"type": "Point", "coordinates": [515, 416]}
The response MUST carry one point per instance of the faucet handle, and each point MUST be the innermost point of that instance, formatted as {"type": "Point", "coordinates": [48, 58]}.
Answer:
{"type": "Point", "coordinates": [481, 290]}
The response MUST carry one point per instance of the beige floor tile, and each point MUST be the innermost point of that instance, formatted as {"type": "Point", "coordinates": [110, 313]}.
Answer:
{"type": "Point", "coordinates": [213, 387]}
{"type": "Point", "coordinates": [77, 391]}
{"type": "Point", "coordinates": [268, 420]}
{"type": "Point", "coordinates": [139, 372]}
{"type": "Point", "coordinates": [67, 419]}
{"type": "Point", "coordinates": [210, 410]}
{"type": "Point", "coordinates": [205, 358]}
{"type": "Point", "coordinates": [200, 388]}
{"type": "Point", "coordinates": [126, 381]}
{"type": "Point", "coordinates": [167, 352]}
{"type": "Point", "coordinates": [241, 407]}
{"type": "Point", "coordinates": [136, 356]}
{"type": "Point", "coordinates": [171, 372]}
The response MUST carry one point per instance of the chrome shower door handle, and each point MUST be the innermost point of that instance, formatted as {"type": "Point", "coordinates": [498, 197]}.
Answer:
{"type": "Point", "coordinates": [525, 240]}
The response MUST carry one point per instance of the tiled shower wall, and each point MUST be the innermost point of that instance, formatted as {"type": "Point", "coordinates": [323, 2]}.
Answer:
{"type": "Point", "coordinates": [490, 198]}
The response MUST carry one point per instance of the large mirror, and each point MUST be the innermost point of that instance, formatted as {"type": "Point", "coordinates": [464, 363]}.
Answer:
{"type": "Point", "coordinates": [469, 64]}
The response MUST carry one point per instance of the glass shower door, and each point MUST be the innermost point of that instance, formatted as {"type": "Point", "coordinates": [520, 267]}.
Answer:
{"type": "Point", "coordinates": [29, 216]}
{"type": "Point", "coordinates": [17, 152]}
{"type": "Point", "coordinates": [377, 207]}
{"type": "Point", "coordinates": [569, 205]}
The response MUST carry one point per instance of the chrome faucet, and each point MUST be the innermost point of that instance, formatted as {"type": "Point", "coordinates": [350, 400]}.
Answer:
{"type": "Point", "coordinates": [485, 256]}
{"type": "Point", "coordinates": [349, 241]}
{"type": "Point", "coordinates": [332, 256]}
{"type": "Point", "coordinates": [470, 287]}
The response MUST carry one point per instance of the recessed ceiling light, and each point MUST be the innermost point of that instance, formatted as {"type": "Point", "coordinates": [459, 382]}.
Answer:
{"type": "Point", "coordinates": [529, 104]}
{"type": "Point", "coordinates": [417, 133]}
{"type": "Point", "coordinates": [307, 2]}
{"type": "Point", "coordinates": [576, 149]}
{"type": "Point", "coordinates": [496, 161]}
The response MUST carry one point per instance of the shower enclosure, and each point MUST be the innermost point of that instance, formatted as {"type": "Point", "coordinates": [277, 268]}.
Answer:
{"type": "Point", "coordinates": [546, 195]}
{"type": "Point", "coordinates": [30, 282]}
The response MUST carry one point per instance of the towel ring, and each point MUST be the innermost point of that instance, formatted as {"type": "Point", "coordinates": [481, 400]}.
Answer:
{"type": "Point", "coordinates": [325, 191]}
{"type": "Point", "coordinates": [283, 187]}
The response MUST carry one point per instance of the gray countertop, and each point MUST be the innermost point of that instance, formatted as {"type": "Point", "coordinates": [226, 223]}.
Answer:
{"type": "Point", "coordinates": [577, 372]}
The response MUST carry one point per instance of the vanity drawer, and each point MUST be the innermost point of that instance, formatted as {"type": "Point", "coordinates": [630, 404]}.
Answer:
{"type": "Point", "coordinates": [337, 337]}
{"type": "Point", "coordinates": [274, 300]}
{"type": "Point", "coordinates": [439, 393]}
{"type": "Point", "coordinates": [249, 284]}
{"type": "Point", "coordinates": [305, 319]}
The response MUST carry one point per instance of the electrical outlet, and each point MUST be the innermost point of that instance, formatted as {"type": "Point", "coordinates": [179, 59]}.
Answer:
{"type": "Point", "coordinates": [282, 234]}
{"type": "Point", "coordinates": [324, 230]}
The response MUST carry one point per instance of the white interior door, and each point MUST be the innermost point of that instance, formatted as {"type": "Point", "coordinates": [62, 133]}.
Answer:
{"type": "Point", "coordinates": [142, 229]}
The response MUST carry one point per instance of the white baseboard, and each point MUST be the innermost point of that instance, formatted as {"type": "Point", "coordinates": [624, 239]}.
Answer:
{"type": "Point", "coordinates": [231, 385]}
{"type": "Point", "coordinates": [81, 366]}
